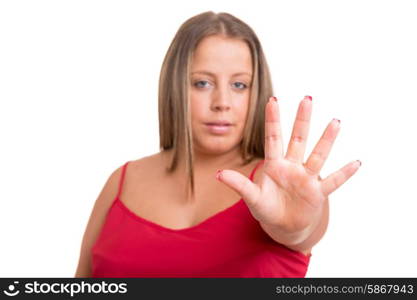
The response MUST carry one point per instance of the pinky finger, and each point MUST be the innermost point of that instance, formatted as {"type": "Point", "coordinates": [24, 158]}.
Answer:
{"type": "Point", "coordinates": [336, 179]}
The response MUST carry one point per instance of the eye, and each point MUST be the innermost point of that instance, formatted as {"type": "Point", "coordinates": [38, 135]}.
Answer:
{"type": "Point", "coordinates": [241, 85]}
{"type": "Point", "coordinates": [200, 84]}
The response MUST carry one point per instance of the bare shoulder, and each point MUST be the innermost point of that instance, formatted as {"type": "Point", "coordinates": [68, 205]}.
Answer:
{"type": "Point", "coordinates": [146, 166]}
{"type": "Point", "coordinates": [141, 177]}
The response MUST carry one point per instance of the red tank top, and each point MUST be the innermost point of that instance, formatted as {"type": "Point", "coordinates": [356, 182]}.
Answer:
{"type": "Point", "coordinates": [230, 243]}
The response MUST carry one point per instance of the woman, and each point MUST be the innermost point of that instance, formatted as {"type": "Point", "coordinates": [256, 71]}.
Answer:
{"type": "Point", "coordinates": [166, 215]}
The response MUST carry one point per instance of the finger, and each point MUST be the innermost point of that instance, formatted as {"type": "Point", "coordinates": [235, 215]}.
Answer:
{"type": "Point", "coordinates": [273, 137]}
{"type": "Point", "coordinates": [322, 149]}
{"type": "Point", "coordinates": [297, 144]}
{"type": "Point", "coordinates": [240, 184]}
{"type": "Point", "coordinates": [336, 179]}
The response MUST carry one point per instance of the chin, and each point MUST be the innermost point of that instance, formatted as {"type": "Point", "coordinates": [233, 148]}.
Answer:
{"type": "Point", "coordinates": [216, 144]}
{"type": "Point", "coordinates": [215, 148]}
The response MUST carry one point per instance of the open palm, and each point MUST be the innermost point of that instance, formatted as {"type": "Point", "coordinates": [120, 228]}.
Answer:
{"type": "Point", "coordinates": [290, 193]}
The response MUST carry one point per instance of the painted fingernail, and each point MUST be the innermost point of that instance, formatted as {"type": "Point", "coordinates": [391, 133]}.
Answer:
{"type": "Point", "coordinates": [360, 163]}
{"type": "Point", "coordinates": [309, 98]}
{"type": "Point", "coordinates": [218, 174]}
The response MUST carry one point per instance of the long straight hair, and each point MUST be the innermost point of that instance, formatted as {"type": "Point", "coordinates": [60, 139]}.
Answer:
{"type": "Point", "coordinates": [175, 130]}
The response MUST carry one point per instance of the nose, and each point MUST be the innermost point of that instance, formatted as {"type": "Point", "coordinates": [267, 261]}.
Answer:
{"type": "Point", "coordinates": [221, 98]}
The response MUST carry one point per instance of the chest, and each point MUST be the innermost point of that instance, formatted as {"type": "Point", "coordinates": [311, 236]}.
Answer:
{"type": "Point", "coordinates": [163, 200]}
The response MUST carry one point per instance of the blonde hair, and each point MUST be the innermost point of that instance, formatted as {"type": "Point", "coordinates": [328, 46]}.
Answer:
{"type": "Point", "coordinates": [175, 130]}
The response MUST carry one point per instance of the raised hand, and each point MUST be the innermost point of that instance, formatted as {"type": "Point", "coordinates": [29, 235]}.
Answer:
{"type": "Point", "coordinates": [290, 194]}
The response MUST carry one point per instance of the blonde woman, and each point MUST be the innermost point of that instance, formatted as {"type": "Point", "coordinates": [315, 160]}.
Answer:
{"type": "Point", "coordinates": [221, 198]}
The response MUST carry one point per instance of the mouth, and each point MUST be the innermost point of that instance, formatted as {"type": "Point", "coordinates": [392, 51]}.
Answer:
{"type": "Point", "coordinates": [219, 127]}
{"type": "Point", "coordinates": [220, 123]}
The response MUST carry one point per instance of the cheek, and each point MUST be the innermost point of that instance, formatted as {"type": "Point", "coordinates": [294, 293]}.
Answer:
{"type": "Point", "coordinates": [243, 110]}
{"type": "Point", "coordinates": [197, 111]}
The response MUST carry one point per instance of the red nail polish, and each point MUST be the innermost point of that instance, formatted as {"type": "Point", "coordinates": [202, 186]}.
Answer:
{"type": "Point", "coordinates": [218, 174]}
{"type": "Point", "coordinates": [309, 98]}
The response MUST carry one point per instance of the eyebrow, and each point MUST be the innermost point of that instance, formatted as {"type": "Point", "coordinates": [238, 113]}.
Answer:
{"type": "Point", "coordinates": [212, 74]}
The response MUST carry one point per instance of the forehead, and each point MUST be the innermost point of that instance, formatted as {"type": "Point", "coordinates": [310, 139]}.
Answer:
{"type": "Point", "coordinates": [218, 54]}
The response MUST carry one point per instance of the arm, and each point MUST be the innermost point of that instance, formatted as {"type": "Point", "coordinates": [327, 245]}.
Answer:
{"type": "Point", "coordinates": [95, 223]}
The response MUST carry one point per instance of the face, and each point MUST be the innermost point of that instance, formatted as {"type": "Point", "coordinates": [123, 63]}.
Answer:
{"type": "Point", "coordinates": [220, 84]}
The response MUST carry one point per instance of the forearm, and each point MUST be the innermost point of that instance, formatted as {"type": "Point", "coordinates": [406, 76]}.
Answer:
{"type": "Point", "coordinates": [302, 241]}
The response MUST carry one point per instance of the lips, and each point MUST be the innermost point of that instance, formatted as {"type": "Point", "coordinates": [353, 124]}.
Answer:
{"type": "Point", "coordinates": [218, 127]}
{"type": "Point", "coordinates": [219, 123]}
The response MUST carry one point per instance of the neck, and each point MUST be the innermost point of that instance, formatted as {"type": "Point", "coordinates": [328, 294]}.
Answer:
{"type": "Point", "coordinates": [210, 162]}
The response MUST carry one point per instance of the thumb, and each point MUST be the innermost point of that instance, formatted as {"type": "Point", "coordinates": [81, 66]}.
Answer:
{"type": "Point", "coordinates": [240, 184]}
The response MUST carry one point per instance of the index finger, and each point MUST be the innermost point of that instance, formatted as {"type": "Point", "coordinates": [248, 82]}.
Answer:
{"type": "Point", "coordinates": [273, 137]}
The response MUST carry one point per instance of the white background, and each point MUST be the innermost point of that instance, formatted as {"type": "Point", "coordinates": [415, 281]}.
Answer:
{"type": "Point", "coordinates": [78, 92]}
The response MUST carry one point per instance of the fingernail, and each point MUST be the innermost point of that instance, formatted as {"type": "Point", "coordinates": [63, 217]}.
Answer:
{"type": "Point", "coordinates": [337, 120]}
{"type": "Point", "coordinates": [309, 98]}
{"type": "Point", "coordinates": [360, 163]}
{"type": "Point", "coordinates": [273, 98]}
{"type": "Point", "coordinates": [218, 174]}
